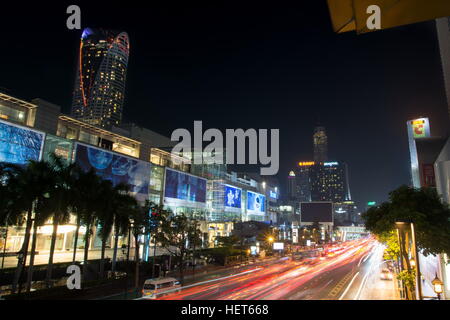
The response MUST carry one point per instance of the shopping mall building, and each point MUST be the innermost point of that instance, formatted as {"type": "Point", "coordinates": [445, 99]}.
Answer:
{"type": "Point", "coordinates": [134, 155]}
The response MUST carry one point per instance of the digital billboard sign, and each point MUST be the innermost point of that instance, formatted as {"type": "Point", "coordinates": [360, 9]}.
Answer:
{"type": "Point", "coordinates": [116, 168]}
{"type": "Point", "coordinates": [184, 189]}
{"type": "Point", "coordinates": [420, 128]}
{"type": "Point", "coordinates": [256, 203]}
{"type": "Point", "coordinates": [316, 212]}
{"type": "Point", "coordinates": [19, 144]}
{"type": "Point", "coordinates": [232, 197]}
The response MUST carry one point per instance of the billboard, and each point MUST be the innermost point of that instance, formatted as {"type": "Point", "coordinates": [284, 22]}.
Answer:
{"type": "Point", "coordinates": [256, 203]}
{"type": "Point", "coordinates": [232, 198]}
{"type": "Point", "coordinates": [19, 144]}
{"type": "Point", "coordinates": [116, 168]}
{"type": "Point", "coordinates": [316, 212]}
{"type": "Point", "coordinates": [183, 189]}
{"type": "Point", "coordinates": [278, 246]}
{"type": "Point", "coordinates": [420, 128]}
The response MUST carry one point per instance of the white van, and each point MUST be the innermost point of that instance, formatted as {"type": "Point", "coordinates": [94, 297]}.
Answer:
{"type": "Point", "coordinates": [154, 287]}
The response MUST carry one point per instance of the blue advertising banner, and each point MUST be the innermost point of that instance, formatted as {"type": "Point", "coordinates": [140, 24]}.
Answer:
{"type": "Point", "coordinates": [232, 197]}
{"type": "Point", "coordinates": [116, 168]}
{"type": "Point", "coordinates": [19, 144]}
{"type": "Point", "coordinates": [183, 189]}
{"type": "Point", "coordinates": [255, 203]}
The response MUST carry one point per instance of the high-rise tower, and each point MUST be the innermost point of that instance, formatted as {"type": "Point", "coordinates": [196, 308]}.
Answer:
{"type": "Point", "coordinates": [100, 81]}
{"type": "Point", "coordinates": [320, 141]}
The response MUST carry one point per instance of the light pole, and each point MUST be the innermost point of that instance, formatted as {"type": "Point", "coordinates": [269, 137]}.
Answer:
{"type": "Point", "coordinates": [419, 283]}
{"type": "Point", "coordinates": [437, 286]}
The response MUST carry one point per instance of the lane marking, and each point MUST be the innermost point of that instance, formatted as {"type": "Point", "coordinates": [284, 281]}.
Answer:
{"type": "Point", "coordinates": [349, 285]}
{"type": "Point", "coordinates": [360, 288]}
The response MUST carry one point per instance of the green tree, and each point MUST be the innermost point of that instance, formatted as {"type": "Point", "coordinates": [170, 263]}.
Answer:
{"type": "Point", "coordinates": [424, 208]}
{"type": "Point", "coordinates": [57, 202]}
{"type": "Point", "coordinates": [140, 222]}
{"type": "Point", "coordinates": [174, 235]}
{"type": "Point", "coordinates": [227, 242]}
{"type": "Point", "coordinates": [390, 239]}
{"type": "Point", "coordinates": [431, 218]}
{"type": "Point", "coordinates": [83, 192]}
{"type": "Point", "coordinates": [26, 186]}
{"type": "Point", "coordinates": [123, 204]}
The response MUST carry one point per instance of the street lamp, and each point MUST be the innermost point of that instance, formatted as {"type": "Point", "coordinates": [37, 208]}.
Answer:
{"type": "Point", "coordinates": [437, 286]}
{"type": "Point", "coordinates": [412, 262]}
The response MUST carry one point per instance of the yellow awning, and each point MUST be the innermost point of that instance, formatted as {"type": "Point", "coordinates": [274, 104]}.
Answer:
{"type": "Point", "coordinates": [351, 15]}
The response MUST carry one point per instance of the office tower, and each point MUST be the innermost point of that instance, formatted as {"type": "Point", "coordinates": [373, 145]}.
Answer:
{"type": "Point", "coordinates": [292, 186]}
{"type": "Point", "coordinates": [329, 182]}
{"type": "Point", "coordinates": [320, 141]}
{"type": "Point", "coordinates": [100, 81]}
{"type": "Point", "coordinates": [303, 175]}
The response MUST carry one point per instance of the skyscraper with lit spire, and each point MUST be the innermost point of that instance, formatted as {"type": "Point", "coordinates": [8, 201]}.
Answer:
{"type": "Point", "coordinates": [320, 142]}
{"type": "Point", "coordinates": [99, 91]}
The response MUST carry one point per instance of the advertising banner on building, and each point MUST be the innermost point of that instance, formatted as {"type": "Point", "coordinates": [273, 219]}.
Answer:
{"type": "Point", "coordinates": [256, 203]}
{"type": "Point", "coordinates": [428, 178]}
{"type": "Point", "coordinates": [232, 198]}
{"type": "Point", "coordinates": [183, 189]}
{"type": "Point", "coordinates": [19, 144]}
{"type": "Point", "coordinates": [420, 128]}
{"type": "Point", "coordinates": [116, 168]}
{"type": "Point", "coordinates": [294, 235]}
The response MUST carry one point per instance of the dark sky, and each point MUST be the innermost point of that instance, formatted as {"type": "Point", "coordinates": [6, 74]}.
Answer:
{"type": "Point", "coordinates": [257, 65]}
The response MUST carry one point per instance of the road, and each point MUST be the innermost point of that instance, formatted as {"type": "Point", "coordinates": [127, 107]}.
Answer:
{"type": "Point", "coordinates": [350, 273]}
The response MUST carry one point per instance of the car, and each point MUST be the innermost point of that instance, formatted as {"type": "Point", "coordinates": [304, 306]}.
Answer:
{"type": "Point", "coordinates": [386, 274]}
{"type": "Point", "coordinates": [154, 287]}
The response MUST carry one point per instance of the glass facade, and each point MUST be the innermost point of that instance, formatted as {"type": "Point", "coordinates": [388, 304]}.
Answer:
{"type": "Point", "coordinates": [11, 114]}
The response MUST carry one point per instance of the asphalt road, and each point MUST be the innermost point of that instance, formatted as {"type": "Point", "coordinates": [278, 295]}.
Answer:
{"type": "Point", "coordinates": [350, 273]}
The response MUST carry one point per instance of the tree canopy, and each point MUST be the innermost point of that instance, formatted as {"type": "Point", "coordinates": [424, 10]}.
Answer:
{"type": "Point", "coordinates": [424, 208]}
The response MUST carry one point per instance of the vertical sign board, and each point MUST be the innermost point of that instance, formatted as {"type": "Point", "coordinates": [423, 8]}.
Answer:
{"type": "Point", "coordinates": [428, 178]}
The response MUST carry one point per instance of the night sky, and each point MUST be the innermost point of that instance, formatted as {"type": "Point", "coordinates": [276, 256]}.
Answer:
{"type": "Point", "coordinates": [271, 65]}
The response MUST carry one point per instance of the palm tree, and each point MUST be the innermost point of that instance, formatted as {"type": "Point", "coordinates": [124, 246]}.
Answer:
{"type": "Point", "coordinates": [105, 217]}
{"type": "Point", "coordinates": [58, 203]}
{"type": "Point", "coordinates": [92, 201]}
{"type": "Point", "coordinates": [141, 224]}
{"type": "Point", "coordinates": [124, 204]}
{"type": "Point", "coordinates": [26, 185]}
{"type": "Point", "coordinates": [84, 184]}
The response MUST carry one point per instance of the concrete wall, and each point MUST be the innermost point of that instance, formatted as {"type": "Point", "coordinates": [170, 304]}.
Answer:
{"type": "Point", "coordinates": [47, 115]}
